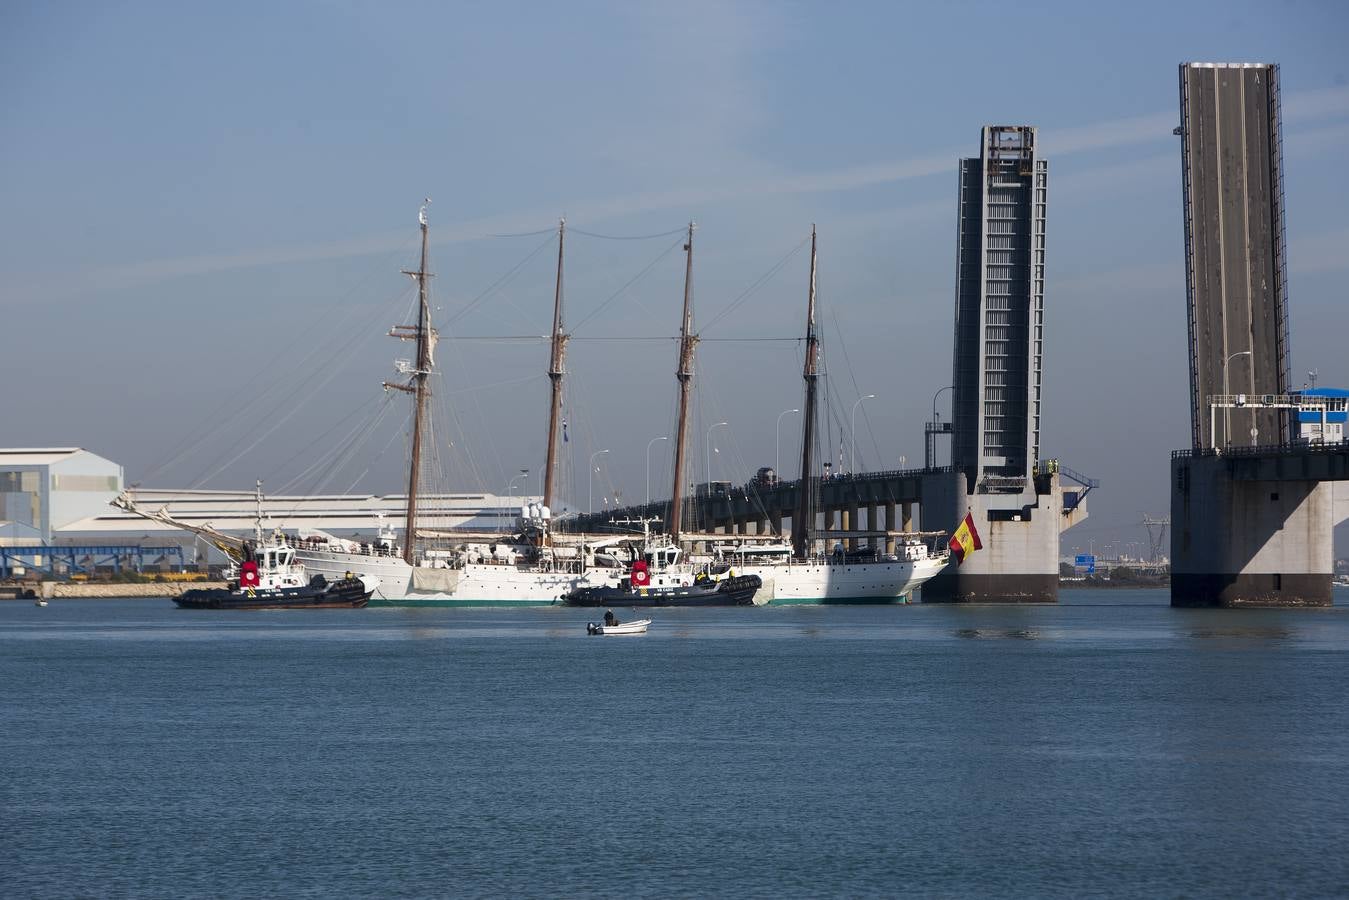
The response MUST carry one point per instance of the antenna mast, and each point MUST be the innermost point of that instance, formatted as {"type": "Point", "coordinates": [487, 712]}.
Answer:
{"type": "Point", "coordinates": [803, 523]}
{"type": "Point", "coordinates": [555, 373]}
{"type": "Point", "coordinates": [687, 341]}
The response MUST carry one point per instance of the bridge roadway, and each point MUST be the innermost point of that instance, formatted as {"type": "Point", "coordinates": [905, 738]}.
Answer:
{"type": "Point", "coordinates": [880, 499]}
{"type": "Point", "coordinates": [1253, 526]}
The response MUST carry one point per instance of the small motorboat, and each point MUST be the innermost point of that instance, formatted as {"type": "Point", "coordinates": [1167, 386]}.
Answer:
{"type": "Point", "coordinates": [637, 627]}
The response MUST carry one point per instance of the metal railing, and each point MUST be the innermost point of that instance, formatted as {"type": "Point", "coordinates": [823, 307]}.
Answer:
{"type": "Point", "coordinates": [1283, 449]}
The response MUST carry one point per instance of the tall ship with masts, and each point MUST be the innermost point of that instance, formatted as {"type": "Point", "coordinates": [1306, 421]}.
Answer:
{"type": "Point", "coordinates": [538, 566]}
{"type": "Point", "coordinates": [431, 567]}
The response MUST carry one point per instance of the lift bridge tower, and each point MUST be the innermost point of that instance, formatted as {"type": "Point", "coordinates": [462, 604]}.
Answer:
{"type": "Point", "coordinates": [1253, 505]}
{"type": "Point", "coordinates": [997, 474]}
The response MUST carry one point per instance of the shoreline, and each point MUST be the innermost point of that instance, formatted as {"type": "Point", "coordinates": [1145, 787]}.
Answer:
{"type": "Point", "coordinates": [105, 591]}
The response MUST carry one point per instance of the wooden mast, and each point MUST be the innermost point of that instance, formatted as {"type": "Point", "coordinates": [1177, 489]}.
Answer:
{"type": "Point", "coordinates": [684, 372]}
{"type": "Point", "coordinates": [424, 335]}
{"type": "Point", "coordinates": [804, 521]}
{"type": "Point", "coordinates": [555, 372]}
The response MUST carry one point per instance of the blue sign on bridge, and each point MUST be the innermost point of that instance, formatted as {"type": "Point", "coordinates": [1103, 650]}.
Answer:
{"type": "Point", "coordinates": [1085, 561]}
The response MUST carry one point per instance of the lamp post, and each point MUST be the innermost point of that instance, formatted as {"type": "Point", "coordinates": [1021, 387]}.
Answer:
{"type": "Point", "coordinates": [852, 434]}
{"type": "Point", "coordinates": [510, 488]}
{"type": "Point", "coordinates": [708, 443]}
{"type": "Point", "coordinates": [934, 402]}
{"type": "Point", "coordinates": [590, 492]}
{"type": "Point", "coordinates": [1227, 416]}
{"type": "Point", "coordinates": [777, 452]}
{"type": "Point", "coordinates": [648, 465]}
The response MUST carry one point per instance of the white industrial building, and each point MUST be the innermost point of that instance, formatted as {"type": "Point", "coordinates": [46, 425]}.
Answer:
{"type": "Point", "coordinates": [63, 496]}
{"type": "Point", "coordinates": [45, 490]}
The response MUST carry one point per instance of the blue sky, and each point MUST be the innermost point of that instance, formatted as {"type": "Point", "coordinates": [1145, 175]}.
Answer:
{"type": "Point", "coordinates": [198, 196]}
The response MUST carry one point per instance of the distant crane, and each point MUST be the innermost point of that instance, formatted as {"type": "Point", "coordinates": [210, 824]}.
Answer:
{"type": "Point", "coordinates": [1157, 539]}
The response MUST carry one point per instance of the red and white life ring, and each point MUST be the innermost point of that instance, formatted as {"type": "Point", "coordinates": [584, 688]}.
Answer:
{"type": "Point", "coordinates": [640, 576]}
{"type": "Point", "coordinates": [248, 574]}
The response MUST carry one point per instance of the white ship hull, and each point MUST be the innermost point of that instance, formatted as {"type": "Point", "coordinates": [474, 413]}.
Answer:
{"type": "Point", "coordinates": [497, 584]}
{"type": "Point", "coordinates": [475, 584]}
{"type": "Point", "coordinates": [844, 583]}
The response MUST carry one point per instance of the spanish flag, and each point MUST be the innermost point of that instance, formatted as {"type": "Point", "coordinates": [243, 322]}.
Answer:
{"type": "Point", "coordinates": [966, 539]}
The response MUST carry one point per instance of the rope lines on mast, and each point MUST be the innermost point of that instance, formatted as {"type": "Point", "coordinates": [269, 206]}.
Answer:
{"type": "Point", "coordinates": [754, 287]}
{"type": "Point", "coordinates": [501, 282]}
{"type": "Point", "coordinates": [201, 434]}
{"type": "Point", "coordinates": [278, 421]}
{"type": "Point", "coordinates": [341, 455]}
{"type": "Point", "coordinates": [638, 277]}
{"type": "Point", "coordinates": [631, 237]}
{"type": "Point", "coordinates": [387, 444]}
{"type": "Point", "coordinates": [334, 448]}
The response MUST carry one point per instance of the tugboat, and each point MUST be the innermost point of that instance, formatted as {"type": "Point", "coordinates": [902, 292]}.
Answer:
{"type": "Point", "coordinates": [267, 575]}
{"type": "Point", "coordinates": [638, 590]}
{"type": "Point", "coordinates": [269, 578]}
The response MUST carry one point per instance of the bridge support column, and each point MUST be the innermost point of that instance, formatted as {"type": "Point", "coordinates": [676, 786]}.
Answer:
{"type": "Point", "coordinates": [776, 520]}
{"type": "Point", "coordinates": [908, 517]}
{"type": "Point", "coordinates": [1243, 542]}
{"type": "Point", "coordinates": [890, 525]}
{"type": "Point", "coordinates": [873, 514]}
{"type": "Point", "coordinates": [1019, 562]}
{"type": "Point", "coordinates": [847, 525]}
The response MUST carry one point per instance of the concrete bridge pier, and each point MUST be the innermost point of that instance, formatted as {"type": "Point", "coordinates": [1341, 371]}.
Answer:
{"type": "Point", "coordinates": [1019, 562]}
{"type": "Point", "coordinates": [1243, 538]}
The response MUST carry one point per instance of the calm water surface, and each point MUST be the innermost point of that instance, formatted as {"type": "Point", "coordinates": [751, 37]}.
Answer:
{"type": "Point", "coordinates": [1107, 746]}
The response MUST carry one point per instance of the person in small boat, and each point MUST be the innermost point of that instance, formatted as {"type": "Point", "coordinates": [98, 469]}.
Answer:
{"type": "Point", "coordinates": [610, 618]}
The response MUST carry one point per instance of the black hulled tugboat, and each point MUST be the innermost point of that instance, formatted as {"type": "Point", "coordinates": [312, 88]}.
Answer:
{"type": "Point", "coordinates": [270, 578]}
{"type": "Point", "coordinates": [670, 586]}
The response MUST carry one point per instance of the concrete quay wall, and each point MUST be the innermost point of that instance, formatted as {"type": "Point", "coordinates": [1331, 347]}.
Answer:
{"type": "Point", "coordinates": [72, 589]}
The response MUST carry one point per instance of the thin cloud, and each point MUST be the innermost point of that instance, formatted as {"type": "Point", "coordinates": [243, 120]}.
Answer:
{"type": "Point", "coordinates": [1057, 143]}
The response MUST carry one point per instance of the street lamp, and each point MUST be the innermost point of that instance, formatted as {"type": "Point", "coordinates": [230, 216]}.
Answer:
{"type": "Point", "coordinates": [1227, 414]}
{"type": "Point", "coordinates": [852, 439]}
{"type": "Point", "coordinates": [777, 453]}
{"type": "Point", "coordinates": [934, 402]}
{"type": "Point", "coordinates": [708, 443]}
{"type": "Point", "coordinates": [510, 488]}
{"type": "Point", "coordinates": [648, 465]}
{"type": "Point", "coordinates": [590, 492]}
